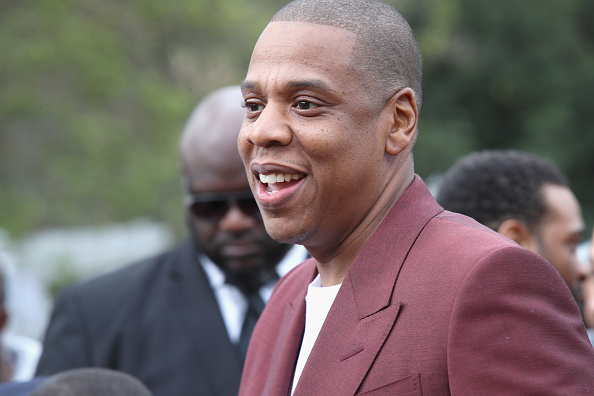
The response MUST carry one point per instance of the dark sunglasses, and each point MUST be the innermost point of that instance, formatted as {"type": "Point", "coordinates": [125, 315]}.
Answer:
{"type": "Point", "coordinates": [214, 205]}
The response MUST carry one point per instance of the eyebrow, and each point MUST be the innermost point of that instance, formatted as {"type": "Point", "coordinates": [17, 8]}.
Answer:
{"type": "Point", "coordinates": [316, 84]}
{"type": "Point", "coordinates": [246, 84]}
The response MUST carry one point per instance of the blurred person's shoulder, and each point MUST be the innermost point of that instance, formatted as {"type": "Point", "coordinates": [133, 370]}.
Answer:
{"type": "Point", "coordinates": [20, 388]}
{"type": "Point", "coordinates": [132, 279]}
{"type": "Point", "coordinates": [468, 241]}
{"type": "Point", "coordinates": [461, 227]}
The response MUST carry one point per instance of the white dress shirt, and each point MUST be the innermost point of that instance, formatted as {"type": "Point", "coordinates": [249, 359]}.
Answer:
{"type": "Point", "coordinates": [232, 303]}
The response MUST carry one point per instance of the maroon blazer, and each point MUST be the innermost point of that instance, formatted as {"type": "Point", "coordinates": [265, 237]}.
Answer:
{"type": "Point", "coordinates": [434, 304]}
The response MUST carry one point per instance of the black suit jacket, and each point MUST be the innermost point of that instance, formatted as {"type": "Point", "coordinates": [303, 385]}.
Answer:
{"type": "Point", "coordinates": [157, 320]}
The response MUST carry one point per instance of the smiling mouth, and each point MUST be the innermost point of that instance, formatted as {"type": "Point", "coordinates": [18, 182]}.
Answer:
{"type": "Point", "coordinates": [277, 181]}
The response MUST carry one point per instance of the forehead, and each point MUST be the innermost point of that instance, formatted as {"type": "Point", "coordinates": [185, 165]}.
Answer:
{"type": "Point", "coordinates": [301, 50]}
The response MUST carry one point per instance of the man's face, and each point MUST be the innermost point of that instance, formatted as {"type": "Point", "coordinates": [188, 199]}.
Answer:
{"type": "Point", "coordinates": [230, 233]}
{"type": "Point", "coordinates": [311, 123]}
{"type": "Point", "coordinates": [560, 231]}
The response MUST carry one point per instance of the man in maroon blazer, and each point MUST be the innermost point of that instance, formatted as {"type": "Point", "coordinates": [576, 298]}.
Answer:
{"type": "Point", "coordinates": [400, 296]}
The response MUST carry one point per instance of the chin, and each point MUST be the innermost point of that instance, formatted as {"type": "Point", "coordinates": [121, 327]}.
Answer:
{"type": "Point", "coordinates": [285, 233]}
{"type": "Point", "coordinates": [240, 265]}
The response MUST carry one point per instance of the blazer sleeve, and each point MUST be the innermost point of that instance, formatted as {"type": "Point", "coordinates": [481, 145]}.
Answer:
{"type": "Point", "coordinates": [66, 343]}
{"type": "Point", "coordinates": [515, 329]}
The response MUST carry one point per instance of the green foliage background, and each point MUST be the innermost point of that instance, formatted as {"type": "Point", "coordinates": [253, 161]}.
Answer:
{"type": "Point", "coordinates": [94, 93]}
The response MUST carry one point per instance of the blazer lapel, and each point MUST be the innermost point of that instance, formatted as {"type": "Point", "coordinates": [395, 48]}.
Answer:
{"type": "Point", "coordinates": [191, 296]}
{"type": "Point", "coordinates": [289, 336]}
{"type": "Point", "coordinates": [364, 311]}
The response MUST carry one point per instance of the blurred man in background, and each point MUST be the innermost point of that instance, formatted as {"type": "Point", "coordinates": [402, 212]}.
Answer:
{"type": "Point", "coordinates": [524, 197]}
{"type": "Point", "coordinates": [180, 322]}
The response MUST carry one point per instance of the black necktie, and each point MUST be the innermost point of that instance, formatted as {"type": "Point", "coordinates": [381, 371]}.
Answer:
{"type": "Point", "coordinates": [255, 308]}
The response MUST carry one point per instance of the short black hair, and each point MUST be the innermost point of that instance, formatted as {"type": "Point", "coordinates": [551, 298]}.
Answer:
{"type": "Point", "coordinates": [492, 186]}
{"type": "Point", "coordinates": [386, 48]}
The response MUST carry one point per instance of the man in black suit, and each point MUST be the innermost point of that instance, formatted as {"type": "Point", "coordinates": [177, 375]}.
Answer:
{"type": "Point", "coordinates": [180, 321]}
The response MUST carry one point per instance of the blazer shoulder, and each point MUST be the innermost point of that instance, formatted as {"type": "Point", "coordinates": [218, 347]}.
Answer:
{"type": "Point", "coordinates": [462, 245]}
{"type": "Point", "coordinates": [514, 312]}
{"type": "Point", "coordinates": [458, 228]}
{"type": "Point", "coordinates": [461, 221]}
{"type": "Point", "coordinates": [129, 280]}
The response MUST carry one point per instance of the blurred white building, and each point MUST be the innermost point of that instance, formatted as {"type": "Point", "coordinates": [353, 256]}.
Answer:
{"type": "Point", "coordinates": [35, 265]}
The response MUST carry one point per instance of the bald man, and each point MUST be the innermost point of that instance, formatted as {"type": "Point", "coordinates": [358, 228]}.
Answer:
{"type": "Point", "coordinates": [180, 322]}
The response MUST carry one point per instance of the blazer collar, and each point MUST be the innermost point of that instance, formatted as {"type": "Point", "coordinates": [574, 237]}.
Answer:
{"type": "Point", "coordinates": [372, 281]}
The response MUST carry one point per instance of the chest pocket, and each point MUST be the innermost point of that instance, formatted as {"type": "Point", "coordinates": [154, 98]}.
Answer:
{"type": "Point", "coordinates": [409, 386]}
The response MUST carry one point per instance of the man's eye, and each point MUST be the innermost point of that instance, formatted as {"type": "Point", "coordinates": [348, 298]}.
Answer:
{"type": "Point", "coordinates": [305, 105]}
{"type": "Point", "coordinates": [252, 106]}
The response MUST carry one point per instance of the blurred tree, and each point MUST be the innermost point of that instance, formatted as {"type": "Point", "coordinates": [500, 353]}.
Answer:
{"type": "Point", "coordinates": [93, 94]}
{"type": "Point", "coordinates": [508, 74]}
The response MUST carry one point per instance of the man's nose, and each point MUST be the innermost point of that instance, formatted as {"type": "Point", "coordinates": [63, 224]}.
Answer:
{"type": "Point", "coordinates": [270, 128]}
{"type": "Point", "coordinates": [236, 220]}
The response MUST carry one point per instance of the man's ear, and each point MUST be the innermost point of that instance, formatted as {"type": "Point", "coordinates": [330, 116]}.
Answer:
{"type": "Point", "coordinates": [404, 114]}
{"type": "Point", "coordinates": [519, 232]}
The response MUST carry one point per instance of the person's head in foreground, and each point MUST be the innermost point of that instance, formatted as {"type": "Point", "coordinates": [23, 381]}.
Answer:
{"type": "Point", "coordinates": [524, 197]}
{"type": "Point", "coordinates": [222, 213]}
{"type": "Point", "coordinates": [91, 382]}
{"type": "Point", "coordinates": [328, 135]}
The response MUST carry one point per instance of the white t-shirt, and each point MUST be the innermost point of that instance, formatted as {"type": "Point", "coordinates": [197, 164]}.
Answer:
{"type": "Point", "coordinates": [317, 304]}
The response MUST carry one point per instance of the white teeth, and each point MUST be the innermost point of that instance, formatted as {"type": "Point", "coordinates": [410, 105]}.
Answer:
{"type": "Point", "coordinates": [279, 177]}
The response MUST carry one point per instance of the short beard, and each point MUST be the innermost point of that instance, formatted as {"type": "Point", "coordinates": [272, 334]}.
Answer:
{"type": "Point", "coordinates": [250, 281]}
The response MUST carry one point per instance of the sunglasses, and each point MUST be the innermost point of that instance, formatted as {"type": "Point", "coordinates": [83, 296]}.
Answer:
{"type": "Point", "coordinates": [214, 206]}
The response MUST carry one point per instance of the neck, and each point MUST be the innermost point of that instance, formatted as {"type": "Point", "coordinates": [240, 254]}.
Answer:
{"type": "Point", "coordinates": [334, 269]}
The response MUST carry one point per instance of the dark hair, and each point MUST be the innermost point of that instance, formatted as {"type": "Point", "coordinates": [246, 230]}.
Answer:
{"type": "Point", "coordinates": [91, 382]}
{"type": "Point", "coordinates": [496, 185]}
{"type": "Point", "coordinates": [386, 51]}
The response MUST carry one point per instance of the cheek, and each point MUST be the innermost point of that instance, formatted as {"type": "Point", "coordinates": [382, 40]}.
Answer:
{"type": "Point", "coordinates": [205, 231]}
{"type": "Point", "coordinates": [242, 144]}
{"type": "Point", "coordinates": [337, 145]}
